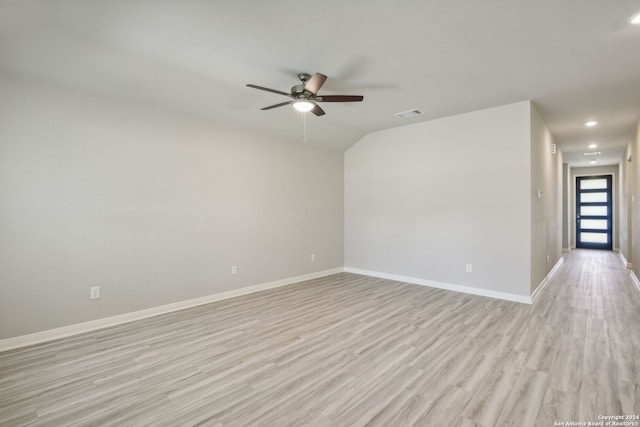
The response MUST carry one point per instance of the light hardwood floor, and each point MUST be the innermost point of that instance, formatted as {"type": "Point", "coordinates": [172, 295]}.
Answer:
{"type": "Point", "coordinates": [349, 350]}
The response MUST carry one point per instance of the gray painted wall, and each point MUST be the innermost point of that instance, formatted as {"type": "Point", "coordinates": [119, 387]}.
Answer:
{"type": "Point", "coordinates": [629, 204]}
{"type": "Point", "coordinates": [566, 181]}
{"type": "Point", "coordinates": [546, 211]}
{"type": "Point", "coordinates": [153, 207]}
{"type": "Point", "coordinates": [635, 202]}
{"type": "Point", "coordinates": [424, 200]}
{"type": "Point", "coordinates": [626, 187]}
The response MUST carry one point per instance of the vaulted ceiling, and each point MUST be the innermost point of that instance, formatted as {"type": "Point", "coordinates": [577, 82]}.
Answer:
{"type": "Point", "coordinates": [577, 60]}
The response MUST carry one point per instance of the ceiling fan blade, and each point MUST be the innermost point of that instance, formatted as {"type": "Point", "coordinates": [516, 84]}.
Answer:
{"type": "Point", "coordinates": [340, 98]}
{"type": "Point", "coordinates": [317, 110]}
{"type": "Point", "coordinates": [276, 105]}
{"type": "Point", "coordinates": [315, 83]}
{"type": "Point", "coordinates": [279, 92]}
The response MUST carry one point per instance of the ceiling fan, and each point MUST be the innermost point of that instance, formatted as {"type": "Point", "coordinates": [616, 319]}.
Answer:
{"type": "Point", "coordinates": [305, 96]}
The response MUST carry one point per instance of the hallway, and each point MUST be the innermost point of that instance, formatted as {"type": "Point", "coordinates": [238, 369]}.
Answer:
{"type": "Point", "coordinates": [350, 350]}
{"type": "Point", "coordinates": [588, 318]}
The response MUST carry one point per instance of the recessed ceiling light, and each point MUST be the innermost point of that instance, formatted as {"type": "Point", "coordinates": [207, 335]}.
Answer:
{"type": "Point", "coordinates": [593, 162]}
{"type": "Point", "coordinates": [593, 146]}
{"type": "Point", "coordinates": [635, 19]}
{"type": "Point", "coordinates": [591, 123]}
{"type": "Point", "coordinates": [592, 153]}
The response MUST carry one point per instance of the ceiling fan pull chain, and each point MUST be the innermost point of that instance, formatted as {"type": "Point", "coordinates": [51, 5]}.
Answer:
{"type": "Point", "coordinates": [304, 127]}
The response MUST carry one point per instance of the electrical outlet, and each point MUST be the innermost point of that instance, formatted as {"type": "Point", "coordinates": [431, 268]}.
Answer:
{"type": "Point", "coordinates": [548, 259]}
{"type": "Point", "coordinates": [469, 268]}
{"type": "Point", "coordinates": [94, 292]}
{"type": "Point", "coordinates": [234, 269]}
{"type": "Point", "coordinates": [313, 258]}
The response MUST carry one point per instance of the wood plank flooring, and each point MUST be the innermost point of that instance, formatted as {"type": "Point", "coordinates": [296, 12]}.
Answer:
{"type": "Point", "coordinates": [349, 350]}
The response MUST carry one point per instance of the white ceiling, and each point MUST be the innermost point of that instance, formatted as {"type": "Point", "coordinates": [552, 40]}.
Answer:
{"type": "Point", "coordinates": [576, 59]}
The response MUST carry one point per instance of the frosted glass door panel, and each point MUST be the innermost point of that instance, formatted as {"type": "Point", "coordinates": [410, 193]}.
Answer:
{"type": "Point", "coordinates": [593, 210]}
{"type": "Point", "coordinates": [593, 237]}
{"type": "Point", "coordinates": [594, 224]}
{"type": "Point", "coordinates": [593, 197]}
{"type": "Point", "coordinates": [593, 184]}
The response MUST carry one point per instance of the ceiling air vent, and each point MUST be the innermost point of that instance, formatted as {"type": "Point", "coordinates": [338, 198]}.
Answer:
{"type": "Point", "coordinates": [410, 113]}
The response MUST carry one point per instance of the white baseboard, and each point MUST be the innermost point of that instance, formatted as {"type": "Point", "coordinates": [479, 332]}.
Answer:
{"type": "Point", "coordinates": [65, 331]}
{"type": "Point", "coordinates": [441, 285]}
{"type": "Point", "coordinates": [546, 280]}
{"type": "Point", "coordinates": [634, 278]}
{"type": "Point", "coordinates": [626, 263]}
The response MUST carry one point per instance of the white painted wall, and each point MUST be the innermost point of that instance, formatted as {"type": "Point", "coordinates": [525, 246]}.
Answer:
{"type": "Point", "coordinates": [425, 199]}
{"type": "Point", "coordinates": [546, 211]}
{"type": "Point", "coordinates": [151, 206]}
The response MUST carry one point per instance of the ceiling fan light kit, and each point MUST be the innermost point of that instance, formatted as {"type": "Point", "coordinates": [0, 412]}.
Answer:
{"type": "Point", "coordinates": [303, 106]}
{"type": "Point", "coordinates": [305, 96]}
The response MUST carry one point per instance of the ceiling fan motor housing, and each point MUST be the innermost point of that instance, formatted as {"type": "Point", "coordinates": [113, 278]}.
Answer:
{"type": "Point", "coordinates": [298, 92]}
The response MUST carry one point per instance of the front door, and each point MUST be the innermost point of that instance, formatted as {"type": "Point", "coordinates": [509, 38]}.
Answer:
{"type": "Point", "coordinates": [593, 212]}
